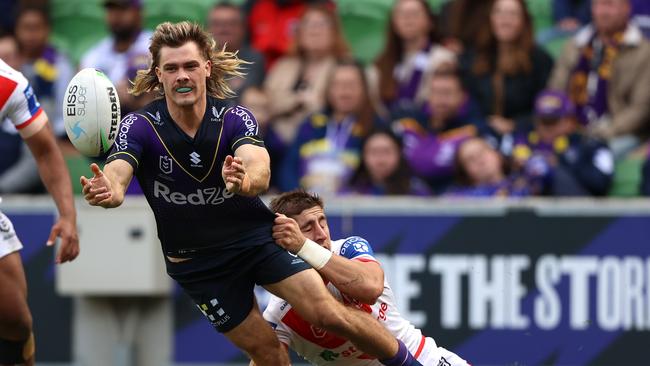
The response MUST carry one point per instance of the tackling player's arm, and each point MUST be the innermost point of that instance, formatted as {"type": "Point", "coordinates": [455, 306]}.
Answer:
{"type": "Point", "coordinates": [54, 173]}
{"type": "Point", "coordinates": [107, 188]}
{"type": "Point", "coordinates": [361, 280]}
{"type": "Point", "coordinates": [247, 173]}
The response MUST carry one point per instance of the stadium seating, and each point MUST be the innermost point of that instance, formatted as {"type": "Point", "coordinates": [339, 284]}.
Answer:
{"type": "Point", "coordinates": [542, 13]}
{"type": "Point", "coordinates": [77, 166]}
{"type": "Point", "coordinates": [364, 24]}
{"type": "Point", "coordinates": [627, 177]}
{"type": "Point", "coordinates": [77, 25]}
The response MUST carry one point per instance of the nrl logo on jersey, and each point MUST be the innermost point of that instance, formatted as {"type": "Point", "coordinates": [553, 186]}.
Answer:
{"type": "Point", "coordinates": [217, 113]}
{"type": "Point", "coordinates": [165, 164]}
{"type": "Point", "coordinates": [156, 118]}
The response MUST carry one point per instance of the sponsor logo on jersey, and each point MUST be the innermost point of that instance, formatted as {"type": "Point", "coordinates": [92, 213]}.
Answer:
{"type": "Point", "coordinates": [284, 305]}
{"type": "Point", "coordinates": [251, 126]}
{"type": "Point", "coordinates": [354, 246]}
{"type": "Point", "coordinates": [156, 118]}
{"type": "Point", "coordinates": [165, 164]}
{"type": "Point", "coordinates": [215, 313]}
{"type": "Point", "coordinates": [5, 225]}
{"type": "Point", "coordinates": [123, 141]}
{"type": "Point", "coordinates": [443, 362]}
{"type": "Point", "coordinates": [206, 196]}
{"type": "Point", "coordinates": [328, 355]}
{"type": "Point", "coordinates": [32, 102]}
{"type": "Point", "coordinates": [195, 158]}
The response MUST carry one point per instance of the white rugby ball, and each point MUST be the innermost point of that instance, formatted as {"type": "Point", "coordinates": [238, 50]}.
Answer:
{"type": "Point", "coordinates": [91, 112]}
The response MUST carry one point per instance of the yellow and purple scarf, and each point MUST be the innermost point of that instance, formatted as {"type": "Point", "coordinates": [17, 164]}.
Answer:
{"type": "Point", "coordinates": [590, 78]}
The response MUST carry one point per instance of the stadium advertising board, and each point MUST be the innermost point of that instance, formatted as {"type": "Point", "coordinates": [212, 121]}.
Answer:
{"type": "Point", "coordinates": [516, 290]}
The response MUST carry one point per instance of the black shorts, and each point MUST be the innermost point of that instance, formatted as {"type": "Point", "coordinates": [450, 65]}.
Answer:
{"type": "Point", "coordinates": [222, 284]}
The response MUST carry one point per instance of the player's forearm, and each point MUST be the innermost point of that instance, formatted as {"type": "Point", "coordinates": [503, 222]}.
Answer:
{"type": "Point", "coordinates": [259, 176]}
{"type": "Point", "coordinates": [56, 178]}
{"type": "Point", "coordinates": [362, 281]}
{"type": "Point", "coordinates": [119, 183]}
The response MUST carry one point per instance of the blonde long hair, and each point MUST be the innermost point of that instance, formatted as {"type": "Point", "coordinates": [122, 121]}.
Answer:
{"type": "Point", "coordinates": [225, 64]}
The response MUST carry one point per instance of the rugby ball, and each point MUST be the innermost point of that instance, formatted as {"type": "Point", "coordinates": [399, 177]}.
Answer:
{"type": "Point", "coordinates": [91, 112]}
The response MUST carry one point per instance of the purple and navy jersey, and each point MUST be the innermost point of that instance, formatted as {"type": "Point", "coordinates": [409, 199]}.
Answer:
{"type": "Point", "coordinates": [181, 177]}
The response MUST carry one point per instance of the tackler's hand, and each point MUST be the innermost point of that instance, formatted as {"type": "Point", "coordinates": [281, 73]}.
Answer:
{"type": "Point", "coordinates": [287, 234]}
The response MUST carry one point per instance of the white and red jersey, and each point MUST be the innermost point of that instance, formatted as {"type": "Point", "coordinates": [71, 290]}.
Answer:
{"type": "Point", "coordinates": [18, 102]}
{"type": "Point", "coordinates": [322, 348]}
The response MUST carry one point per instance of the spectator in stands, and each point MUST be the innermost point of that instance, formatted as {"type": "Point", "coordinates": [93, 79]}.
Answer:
{"type": "Point", "coordinates": [432, 134]}
{"type": "Point", "coordinates": [568, 17]}
{"type": "Point", "coordinates": [9, 50]}
{"type": "Point", "coordinates": [47, 69]}
{"type": "Point", "coordinates": [383, 169]}
{"type": "Point", "coordinates": [124, 52]}
{"type": "Point", "coordinates": [557, 160]}
{"type": "Point", "coordinates": [227, 24]}
{"type": "Point", "coordinates": [258, 103]}
{"type": "Point", "coordinates": [507, 69]}
{"type": "Point", "coordinates": [463, 23]}
{"type": "Point", "coordinates": [18, 169]}
{"type": "Point", "coordinates": [327, 149]}
{"type": "Point", "coordinates": [481, 171]}
{"type": "Point", "coordinates": [296, 83]}
{"type": "Point", "coordinates": [402, 72]}
{"type": "Point", "coordinates": [606, 72]}
{"type": "Point", "coordinates": [273, 25]}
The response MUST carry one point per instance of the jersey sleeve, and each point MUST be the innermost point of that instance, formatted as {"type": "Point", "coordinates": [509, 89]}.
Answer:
{"type": "Point", "coordinates": [241, 128]}
{"type": "Point", "coordinates": [357, 248]}
{"type": "Point", "coordinates": [130, 140]}
{"type": "Point", "coordinates": [273, 315]}
{"type": "Point", "coordinates": [24, 110]}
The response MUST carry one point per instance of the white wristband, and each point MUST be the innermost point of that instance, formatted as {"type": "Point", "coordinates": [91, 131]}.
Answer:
{"type": "Point", "coordinates": [314, 254]}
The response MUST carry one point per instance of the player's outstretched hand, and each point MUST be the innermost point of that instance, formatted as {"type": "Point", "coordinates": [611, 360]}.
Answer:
{"type": "Point", "coordinates": [97, 190]}
{"type": "Point", "coordinates": [234, 175]}
{"type": "Point", "coordinates": [287, 234]}
{"type": "Point", "coordinates": [66, 230]}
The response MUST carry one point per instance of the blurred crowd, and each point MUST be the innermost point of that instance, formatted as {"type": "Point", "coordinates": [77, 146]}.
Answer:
{"type": "Point", "coordinates": [461, 102]}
